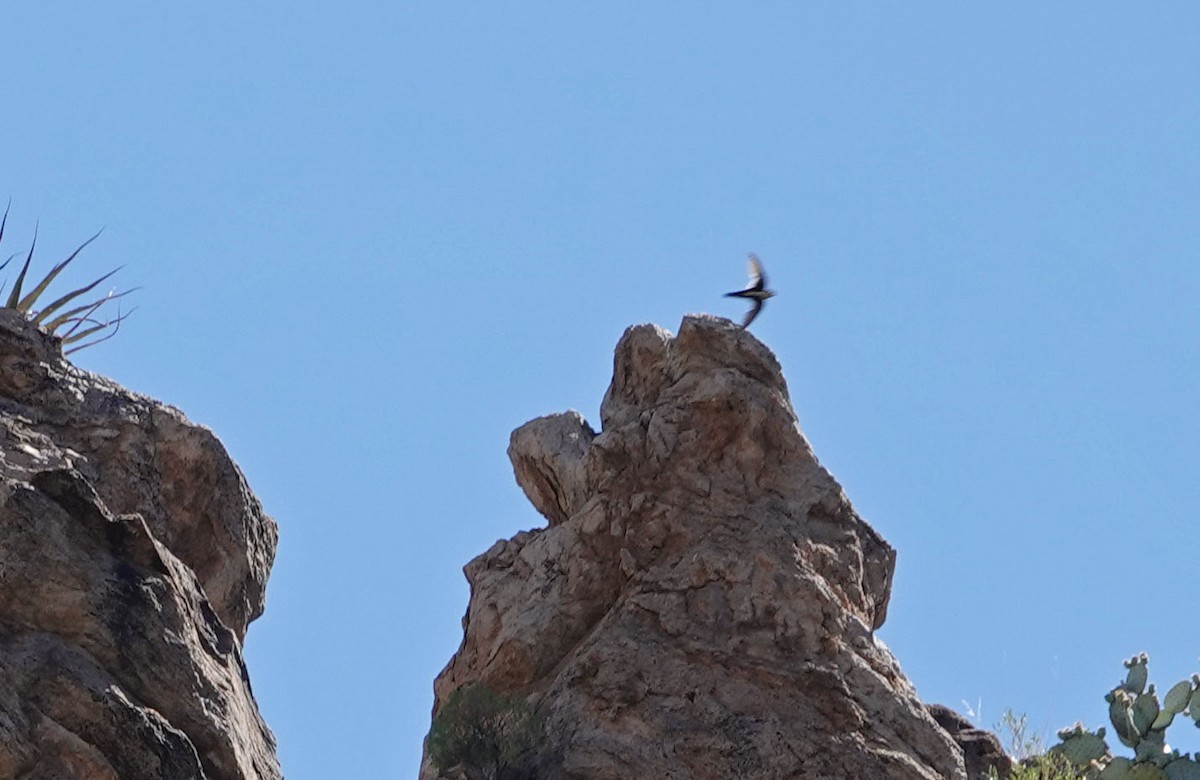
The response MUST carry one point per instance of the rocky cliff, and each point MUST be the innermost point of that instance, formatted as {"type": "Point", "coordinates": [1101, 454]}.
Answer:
{"type": "Point", "coordinates": [704, 600]}
{"type": "Point", "coordinates": [133, 556]}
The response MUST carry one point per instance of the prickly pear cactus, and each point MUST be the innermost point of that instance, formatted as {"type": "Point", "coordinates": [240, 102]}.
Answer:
{"type": "Point", "coordinates": [1140, 723]}
{"type": "Point", "coordinates": [1082, 747]}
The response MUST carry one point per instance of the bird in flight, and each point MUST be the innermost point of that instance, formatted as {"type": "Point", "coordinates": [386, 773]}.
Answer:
{"type": "Point", "coordinates": [756, 290]}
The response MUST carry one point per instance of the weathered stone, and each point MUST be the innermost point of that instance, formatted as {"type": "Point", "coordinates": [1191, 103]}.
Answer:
{"type": "Point", "coordinates": [548, 457]}
{"type": "Point", "coordinates": [132, 558]}
{"type": "Point", "coordinates": [142, 457]}
{"type": "Point", "coordinates": [982, 751]}
{"type": "Point", "coordinates": [703, 602]}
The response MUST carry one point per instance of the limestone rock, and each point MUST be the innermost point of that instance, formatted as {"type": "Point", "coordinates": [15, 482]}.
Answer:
{"type": "Point", "coordinates": [133, 558]}
{"type": "Point", "coordinates": [702, 604]}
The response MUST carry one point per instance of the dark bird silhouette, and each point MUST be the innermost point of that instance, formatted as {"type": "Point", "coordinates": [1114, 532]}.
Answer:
{"type": "Point", "coordinates": [756, 290]}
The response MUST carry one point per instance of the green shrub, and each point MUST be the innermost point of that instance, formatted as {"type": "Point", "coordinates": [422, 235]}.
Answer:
{"type": "Point", "coordinates": [1027, 749]}
{"type": "Point", "coordinates": [1018, 741]}
{"type": "Point", "coordinates": [487, 734]}
{"type": "Point", "coordinates": [1048, 766]}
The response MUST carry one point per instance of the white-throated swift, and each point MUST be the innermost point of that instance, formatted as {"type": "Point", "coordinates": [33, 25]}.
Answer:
{"type": "Point", "coordinates": [756, 290]}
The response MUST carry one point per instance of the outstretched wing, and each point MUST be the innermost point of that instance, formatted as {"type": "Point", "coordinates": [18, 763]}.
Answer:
{"type": "Point", "coordinates": [750, 315]}
{"type": "Point", "coordinates": [758, 280]}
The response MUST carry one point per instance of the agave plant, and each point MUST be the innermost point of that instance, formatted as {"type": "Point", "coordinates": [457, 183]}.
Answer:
{"type": "Point", "coordinates": [75, 324]}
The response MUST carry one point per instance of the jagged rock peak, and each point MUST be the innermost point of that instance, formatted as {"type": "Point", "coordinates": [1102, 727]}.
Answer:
{"type": "Point", "coordinates": [703, 602]}
{"type": "Point", "coordinates": [134, 556]}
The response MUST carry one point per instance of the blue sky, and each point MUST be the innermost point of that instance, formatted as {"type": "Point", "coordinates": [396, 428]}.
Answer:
{"type": "Point", "coordinates": [373, 239]}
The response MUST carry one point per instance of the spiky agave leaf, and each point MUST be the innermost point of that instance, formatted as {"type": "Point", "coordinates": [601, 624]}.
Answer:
{"type": "Point", "coordinates": [14, 295]}
{"type": "Point", "coordinates": [8, 259]}
{"type": "Point", "coordinates": [26, 303]}
{"type": "Point", "coordinates": [86, 317]}
{"type": "Point", "coordinates": [83, 319]}
{"type": "Point", "coordinates": [77, 316]}
{"type": "Point", "coordinates": [79, 311]}
{"type": "Point", "coordinates": [83, 334]}
{"type": "Point", "coordinates": [4, 222]}
{"type": "Point", "coordinates": [58, 304]}
{"type": "Point", "coordinates": [115, 324]}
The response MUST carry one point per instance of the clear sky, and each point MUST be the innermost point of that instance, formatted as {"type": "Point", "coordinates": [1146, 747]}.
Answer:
{"type": "Point", "coordinates": [373, 238]}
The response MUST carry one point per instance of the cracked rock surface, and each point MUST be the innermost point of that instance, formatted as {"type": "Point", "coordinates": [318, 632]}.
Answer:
{"type": "Point", "coordinates": [703, 601]}
{"type": "Point", "coordinates": [133, 556]}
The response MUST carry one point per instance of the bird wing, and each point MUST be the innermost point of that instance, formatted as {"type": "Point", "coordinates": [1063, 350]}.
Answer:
{"type": "Point", "coordinates": [758, 280]}
{"type": "Point", "coordinates": [750, 315]}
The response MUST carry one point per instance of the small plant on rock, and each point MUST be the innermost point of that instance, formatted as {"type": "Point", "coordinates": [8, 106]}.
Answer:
{"type": "Point", "coordinates": [487, 735]}
{"type": "Point", "coordinates": [1030, 760]}
{"type": "Point", "coordinates": [1047, 766]}
{"type": "Point", "coordinates": [1019, 741]}
{"type": "Point", "coordinates": [73, 325]}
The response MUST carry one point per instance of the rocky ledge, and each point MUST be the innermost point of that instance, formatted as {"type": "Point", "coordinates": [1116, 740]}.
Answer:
{"type": "Point", "coordinates": [133, 558]}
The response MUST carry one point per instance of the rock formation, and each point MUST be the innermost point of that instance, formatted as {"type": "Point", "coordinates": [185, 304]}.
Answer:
{"type": "Point", "coordinates": [133, 556]}
{"type": "Point", "coordinates": [981, 749]}
{"type": "Point", "coordinates": [704, 600]}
